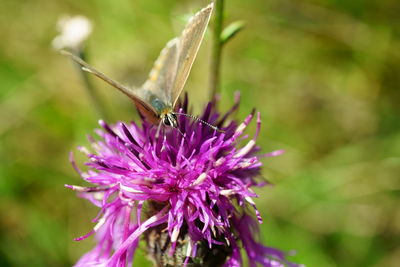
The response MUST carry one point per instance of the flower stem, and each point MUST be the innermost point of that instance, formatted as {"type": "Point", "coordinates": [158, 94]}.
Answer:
{"type": "Point", "coordinates": [217, 44]}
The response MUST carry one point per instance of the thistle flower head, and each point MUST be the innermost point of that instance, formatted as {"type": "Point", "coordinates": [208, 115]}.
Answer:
{"type": "Point", "coordinates": [196, 189]}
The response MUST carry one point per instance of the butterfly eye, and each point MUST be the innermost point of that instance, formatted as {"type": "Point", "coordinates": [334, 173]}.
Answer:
{"type": "Point", "coordinates": [166, 121]}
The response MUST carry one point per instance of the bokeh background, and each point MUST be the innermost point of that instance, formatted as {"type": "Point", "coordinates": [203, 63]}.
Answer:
{"type": "Point", "coordinates": [323, 73]}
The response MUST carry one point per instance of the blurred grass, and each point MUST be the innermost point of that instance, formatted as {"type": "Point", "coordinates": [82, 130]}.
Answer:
{"type": "Point", "coordinates": [323, 74]}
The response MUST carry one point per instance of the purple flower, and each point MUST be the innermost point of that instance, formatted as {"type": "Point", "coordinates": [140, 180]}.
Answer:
{"type": "Point", "coordinates": [196, 188]}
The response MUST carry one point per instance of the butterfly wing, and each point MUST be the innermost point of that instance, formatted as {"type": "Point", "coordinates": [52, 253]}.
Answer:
{"type": "Point", "coordinates": [148, 111]}
{"type": "Point", "coordinates": [188, 46]}
{"type": "Point", "coordinates": [162, 75]}
{"type": "Point", "coordinates": [170, 71]}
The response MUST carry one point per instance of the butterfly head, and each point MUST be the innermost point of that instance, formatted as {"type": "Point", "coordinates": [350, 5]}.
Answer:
{"type": "Point", "coordinates": [169, 119]}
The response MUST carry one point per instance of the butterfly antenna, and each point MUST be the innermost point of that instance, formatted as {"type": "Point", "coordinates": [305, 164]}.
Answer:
{"type": "Point", "coordinates": [215, 128]}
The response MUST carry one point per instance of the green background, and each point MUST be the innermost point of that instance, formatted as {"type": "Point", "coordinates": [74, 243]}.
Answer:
{"type": "Point", "coordinates": [323, 73]}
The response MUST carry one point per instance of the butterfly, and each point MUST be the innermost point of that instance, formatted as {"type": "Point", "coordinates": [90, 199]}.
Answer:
{"type": "Point", "coordinates": [157, 97]}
